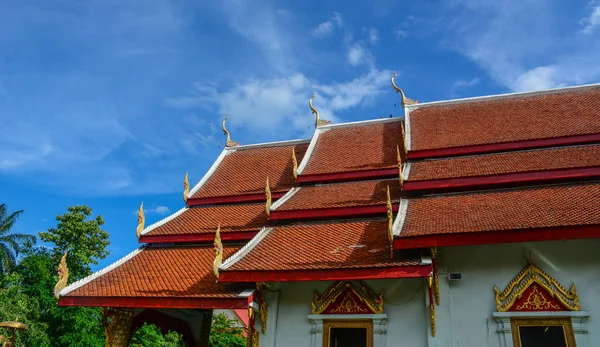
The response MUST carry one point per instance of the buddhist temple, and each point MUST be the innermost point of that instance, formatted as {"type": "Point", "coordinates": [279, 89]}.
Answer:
{"type": "Point", "coordinates": [468, 222]}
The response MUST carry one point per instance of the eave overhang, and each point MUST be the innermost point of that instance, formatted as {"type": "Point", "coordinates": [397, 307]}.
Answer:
{"type": "Point", "coordinates": [391, 172]}
{"type": "Point", "coordinates": [232, 199]}
{"type": "Point", "coordinates": [157, 302]}
{"type": "Point", "coordinates": [231, 236]}
{"type": "Point", "coordinates": [356, 211]}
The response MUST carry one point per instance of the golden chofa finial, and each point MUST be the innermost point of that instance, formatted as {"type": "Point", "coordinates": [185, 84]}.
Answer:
{"type": "Point", "coordinates": [404, 144]}
{"type": "Point", "coordinates": [399, 166]}
{"type": "Point", "coordinates": [63, 276]}
{"type": "Point", "coordinates": [186, 187]}
{"type": "Point", "coordinates": [318, 120]}
{"type": "Point", "coordinates": [390, 216]}
{"type": "Point", "coordinates": [229, 142]}
{"type": "Point", "coordinates": [268, 196]}
{"type": "Point", "coordinates": [294, 163]}
{"type": "Point", "coordinates": [218, 252]}
{"type": "Point", "coordinates": [405, 101]}
{"type": "Point", "coordinates": [141, 220]}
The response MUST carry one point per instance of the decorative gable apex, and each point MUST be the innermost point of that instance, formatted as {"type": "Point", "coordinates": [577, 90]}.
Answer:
{"type": "Point", "coordinates": [348, 297]}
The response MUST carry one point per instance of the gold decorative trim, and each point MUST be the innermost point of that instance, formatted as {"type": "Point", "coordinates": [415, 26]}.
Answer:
{"type": "Point", "coordinates": [525, 278]}
{"type": "Point", "coordinates": [218, 252]}
{"type": "Point", "coordinates": [117, 326]}
{"type": "Point", "coordinates": [565, 323]}
{"type": "Point", "coordinates": [63, 276]}
{"type": "Point", "coordinates": [141, 220]}
{"type": "Point", "coordinates": [186, 187]}
{"type": "Point", "coordinates": [405, 145]}
{"type": "Point", "coordinates": [436, 280]}
{"type": "Point", "coordinates": [262, 307]}
{"type": "Point", "coordinates": [399, 159]}
{"type": "Point", "coordinates": [405, 101]}
{"type": "Point", "coordinates": [329, 324]}
{"type": "Point", "coordinates": [390, 217]}
{"type": "Point", "coordinates": [268, 196]}
{"type": "Point", "coordinates": [321, 302]}
{"type": "Point", "coordinates": [229, 142]}
{"type": "Point", "coordinates": [431, 307]}
{"type": "Point", "coordinates": [294, 163]}
{"type": "Point", "coordinates": [318, 120]}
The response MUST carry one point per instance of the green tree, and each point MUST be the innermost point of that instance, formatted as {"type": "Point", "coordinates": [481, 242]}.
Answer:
{"type": "Point", "coordinates": [225, 333]}
{"type": "Point", "coordinates": [10, 243]}
{"type": "Point", "coordinates": [84, 239]}
{"type": "Point", "coordinates": [150, 335]}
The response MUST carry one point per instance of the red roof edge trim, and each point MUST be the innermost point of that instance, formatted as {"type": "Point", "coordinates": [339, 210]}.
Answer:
{"type": "Point", "coordinates": [494, 237]}
{"type": "Point", "coordinates": [349, 175]}
{"type": "Point", "coordinates": [332, 212]}
{"type": "Point", "coordinates": [202, 303]}
{"type": "Point", "coordinates": [545, 176]}
{"type": "Point", "coordinates": [200, 238]}
{"type": "Point", "coordinates": [414, 271]}
{"type": "Point", "coordinates": [232, 199]}
{"type": "Point", "coordinates": [505, 146]}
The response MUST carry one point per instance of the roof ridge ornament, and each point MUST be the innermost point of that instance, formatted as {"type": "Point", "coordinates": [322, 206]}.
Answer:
{"type": "Point", "coordinates": [390, 217]}
{"type": "Point", "coordinates": [229, 142]}
{"type": "Point", "coordinates": [63, 275]}
{"type": "Point", "coordinates": [186, 187]}
{"type": "Point", "coordinates": [294, 163]}
{"type": "Point", "coordinates": [269, 198]}
{"type": "Point", "coordinates": [404, 144]}
{"type": "Point", "coordinates": [141, 220]}
{"type": "Point", "coordinates": [405, 100]}
{"type": "Point", "coordinates": [218, 252]}
{"type": "Point", "coordinates": [399, 166]}
{"type": "Point", "coordinates": [318, 120]}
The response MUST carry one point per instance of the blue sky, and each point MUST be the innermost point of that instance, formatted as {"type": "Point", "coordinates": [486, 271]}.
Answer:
{"type": "Point", "coordinates": [109, 102]}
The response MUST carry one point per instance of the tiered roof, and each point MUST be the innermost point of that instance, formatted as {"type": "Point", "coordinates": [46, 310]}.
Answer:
{"type": "Point", "coordinates": [508, 168]}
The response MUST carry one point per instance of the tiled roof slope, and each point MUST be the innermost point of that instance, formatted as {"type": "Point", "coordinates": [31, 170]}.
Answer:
{"type": "Point", "coordinates": [557, 206]}
{"type": "Point", "coordinates": [503, 163]}
{"type": "Point", "coordinates": [173, 272]}
{"type": "Point", "coordinates": [205, 219]}
{"type": "Point", "coordinates": [506, 119]}
{"type": "Point", "coordinates": [355, 148]}
{"type": "Point", "coordinates": [332, 245]}
{"type": "Point", "coordinates": [351, 194]}
{"type": "Point", "coordinates": [245, 170]}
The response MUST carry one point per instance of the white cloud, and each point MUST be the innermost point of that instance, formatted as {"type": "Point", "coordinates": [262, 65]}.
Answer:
{"type": "Point", "coordinates": [372, 35]}
{"type": "Point", "coordinates": [466, 83]}
{"type": "Point", "coordinates": [327, 27]}
{"type": "Point", "coordinates": [592, 21]}
{"type": "Point", "coordinates": [156, 209]}
{"type": "Point", "coordinates": [400, 34]}
{"type": "Point", "coordinates": [358, 54]}
{"type": "Point", "coordinates": [539, 78]}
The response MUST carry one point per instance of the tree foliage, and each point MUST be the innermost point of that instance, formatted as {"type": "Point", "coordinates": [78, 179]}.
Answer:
{"type": "Point", "coordinates": [10, 243]}
{"type": "Point", "coordinates": [225, 333]}
{"type": "Point", "coordinates": [150, 335]}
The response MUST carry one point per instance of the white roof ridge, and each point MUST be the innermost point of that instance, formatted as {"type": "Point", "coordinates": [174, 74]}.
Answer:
{"type": "Point", "coordinates": [400, 217]}
{"type": "Point", "coordinates": [212, 170]}
{"type": "Point", "coordinates": [164, 220]}
{"type": "Point", "coordinates": [246, 249]}
{"type": "Point", "coordinates": [311, 147]}
{"type": "Point", "coordinates": [501, 96]}
{"type": "Point", "coordinates": [284, 198]}
{"type": "Point", "coordinates": [269, 144]}
{"type": "Point", "coordinates": [361, 122]}
{"type": "Point", "coordinates": [99, 273]}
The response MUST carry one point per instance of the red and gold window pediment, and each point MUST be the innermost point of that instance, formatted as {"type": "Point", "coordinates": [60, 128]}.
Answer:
{"type": "Point", "coordinates": [534, 290]}
{"type": "Point", "coordinates": [348, 297]}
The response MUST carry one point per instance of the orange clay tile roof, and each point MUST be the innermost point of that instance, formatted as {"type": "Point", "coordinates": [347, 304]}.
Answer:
{"type": "Point", "coordinates": [512, 162]}
{"type": "Point", "coordinates": [332, 245]}
{"type": "Point", "coordinates": [342, 195]}
{"type": "Point", "coordinates": [503, 210]}
{"type": "Point", "coordinates": [506, 119]}
{"type": "Point", "coordinates": [245, 171]}
{"type": "Point", "coordinates": [355, 148]}
{"type": "Point", "coordinates": [163, 272]}
{"type": "Point", "coordinates": [205, 219]}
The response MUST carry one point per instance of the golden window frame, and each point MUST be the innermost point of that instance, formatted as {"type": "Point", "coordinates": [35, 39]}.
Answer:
{"type": "Point", "coordinates": [565, 322]}
{"type": "Point", "coordinates": [366, 324]}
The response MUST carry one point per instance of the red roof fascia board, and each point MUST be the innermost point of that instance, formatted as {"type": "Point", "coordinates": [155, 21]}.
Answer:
{"type": "Point", "coordinates": [232, 199]}
{"type": "Point", "coordinates": [332, 212]}
{"type": "Point", "coordinates": [201, 238]}
{"type": "Point", "coordinates": [349, 176]}
{"type": "Point", "coordinates": [544, 176]}
{"type": "Point", "coordinates": [326, 275]}
{"type": "Point", "coordinates": [494, 237]}
{"type": "Point", "coordinates": [505, 146]}
{"type": "Point", "coordinates": [200, 303]}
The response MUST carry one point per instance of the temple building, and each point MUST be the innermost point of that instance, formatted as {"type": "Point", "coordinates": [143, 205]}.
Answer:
{"type": "Point", "coordinates": [469, 222]}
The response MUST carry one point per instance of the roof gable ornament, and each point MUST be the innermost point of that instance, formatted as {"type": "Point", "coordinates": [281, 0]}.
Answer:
{"type": "Point", "coordinates": [294, 164]}
{"type": "Point", "coordinates": [348, 297]}
{"type": "Point", "coordinates": [404, 144]}
{"type": "Point", "coordinates": [63, 275]}
{"type": "Point", "coordinates": [318, 120]}
{"type": "Point", "coordinates": [229, 142]}
{"type": "Point", "coordinates": [399, 166]}
{"type": "Point", "coordinates": [390, 217]}
{"type": "Point", "coordinates": [141, 219]}
{"type": "Point", "coordinates": [405, 101]}
{"type": "Point", "coordinates": [218, 252]}
{"type": "Point", "coordinates": [186, 187]}
{"type": "Point", "coordinates": [534, 290]}
{"type": "Point", "coordinates": [268, 196]}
